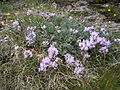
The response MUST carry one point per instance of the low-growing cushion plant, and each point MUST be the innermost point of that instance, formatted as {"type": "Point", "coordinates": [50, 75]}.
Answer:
{"type": "Point", "coordinates": [59, 52]}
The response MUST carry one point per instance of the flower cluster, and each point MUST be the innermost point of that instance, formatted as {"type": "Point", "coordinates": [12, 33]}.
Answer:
{"type": "Point", "coordinates": [47, 61]}
{"type": "Point", "coordinates": [27, 53]}
{"type": "Point", "coordinates": [78, 65]}
{"type": "Point", "coordinates": [16, 25]}
{"type": "Point", "coordinates": [52, 52]}
{"type": "Point", "coordinates": [94, 40]}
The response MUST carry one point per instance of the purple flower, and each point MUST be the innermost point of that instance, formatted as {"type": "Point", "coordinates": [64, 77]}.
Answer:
{"type": "Point", "coordinates": [86, 45]}
{"type": "Point", "coordinates": [105, 42]}
{"type": "Point", "coordinates": [51, 14]}
{"type": "Point", "coordinates": [103, 50]}
{"type": "Point", "coordinates": [44, 15]}
{"type": "Point", "coordinates": [94, 34]}
{"type": "Point", "coordinates": [46, 60]}
{"type": "Point", "coordinates": [29, 12]}
{"type": "Point", "coordinates": [77, 64]}
{"type": "Point", "coordinates": [89, 29]}
{"type": "Point", "coordinates": [94, 38]}
{"type": "Point", "coordinates": [79, 70]}
{"type": "Point", "coordinates": [53, 64]}
{"type": "Point", "coordinates": [44, 64]}
{"type": "Point", "coordinates": [62, 15]}
{"type": "Point", "coordinates": [69, 59]}
{"type": "Point", "coordinates": [52, 51]}
{"type": "Point", "coordinates": [31, 36]}
{"type": "Point", "coordinates": [16, 25]}
{"type": "Point", "coordinates": [42, 67]}
{"type": "Point", "coordinates": [57, 59]}
{"type": "Point", "coordinates": [27, 53]}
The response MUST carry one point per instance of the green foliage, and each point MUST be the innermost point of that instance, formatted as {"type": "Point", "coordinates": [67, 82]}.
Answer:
{"type": "Point", "coordinates": [65, 40]}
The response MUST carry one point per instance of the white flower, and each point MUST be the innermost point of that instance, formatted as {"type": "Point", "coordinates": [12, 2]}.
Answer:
{"type": "Point", "coordinates": [45, 42]}
{"type": "Point", "coordinates": [17, 47]}
{"type": "Point", "coordinates": [27, 53]}
{"type": "Point", "coordinates": [87, 56]}
{"type": "Point", "coordinates": [44, 27]}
